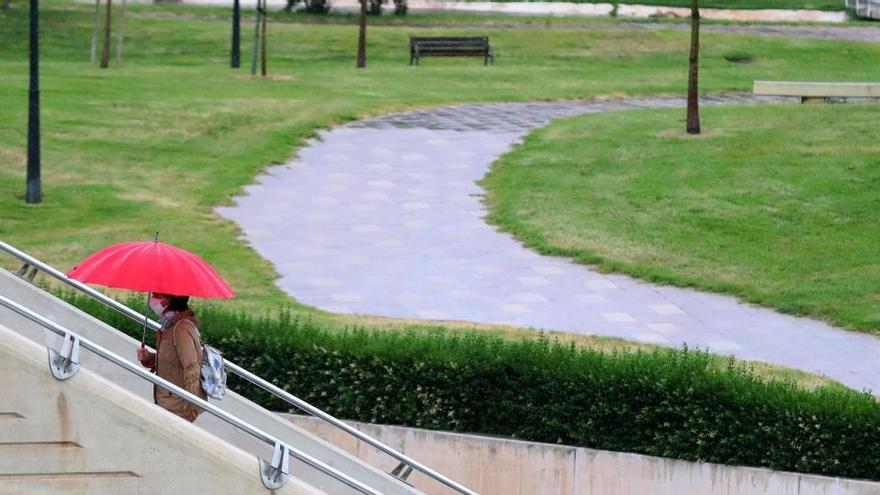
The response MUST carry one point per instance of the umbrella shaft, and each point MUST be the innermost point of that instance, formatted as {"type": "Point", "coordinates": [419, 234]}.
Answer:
{"type": "Point", "coordinates": [146, 319]}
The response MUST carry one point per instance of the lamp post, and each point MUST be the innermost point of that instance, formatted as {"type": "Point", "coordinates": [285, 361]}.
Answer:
{"type": "Point", "coordinates": [33, 194]}
{"type": "Point", "coordinates": [236, 35]}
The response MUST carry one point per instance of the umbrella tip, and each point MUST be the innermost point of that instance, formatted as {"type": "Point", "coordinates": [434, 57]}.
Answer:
{"type": "Point", "coordinates": [157, 236]}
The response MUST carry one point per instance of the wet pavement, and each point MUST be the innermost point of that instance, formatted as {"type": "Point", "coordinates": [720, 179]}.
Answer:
{"type": "Point", "coordinates": [384, 217]}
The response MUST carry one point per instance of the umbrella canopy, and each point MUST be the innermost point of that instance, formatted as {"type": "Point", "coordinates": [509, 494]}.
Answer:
{"type": "Point", "coordinates": [152, 267]}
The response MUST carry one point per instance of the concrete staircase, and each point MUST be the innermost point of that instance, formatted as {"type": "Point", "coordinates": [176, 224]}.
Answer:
{"type": "Point", "coordinates": [87, 435]}
{"type": "Point", "coordinates": [31, 296]}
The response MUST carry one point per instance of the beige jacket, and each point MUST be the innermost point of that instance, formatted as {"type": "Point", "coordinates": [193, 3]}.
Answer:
{"type": "Point", "coordinates": [178, 359]}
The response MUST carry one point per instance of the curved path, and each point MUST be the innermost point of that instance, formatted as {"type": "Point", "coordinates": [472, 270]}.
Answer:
{"type": "Point", "coordinates": [384, 217]}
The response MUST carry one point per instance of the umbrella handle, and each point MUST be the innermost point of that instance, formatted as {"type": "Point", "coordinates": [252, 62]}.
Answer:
{"type": "Point", "coordinates": [146, 318]}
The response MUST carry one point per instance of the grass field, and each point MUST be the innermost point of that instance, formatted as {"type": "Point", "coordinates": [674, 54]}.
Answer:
{"type": "Point", "coordinates": [775, 204]}
{"type": "Point", "coordinates": [157, 143]}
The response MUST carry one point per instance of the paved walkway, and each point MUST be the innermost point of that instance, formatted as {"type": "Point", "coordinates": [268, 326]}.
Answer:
{"type": "Point", "coordinates": [383, 217]}
{"type": "Point", "coordinates": [570, 9]}
{"type": "Point", "coordinates": [810, 31]}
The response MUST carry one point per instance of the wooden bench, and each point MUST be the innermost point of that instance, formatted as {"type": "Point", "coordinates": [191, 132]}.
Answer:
{"type": "Point", "coordinates": [450, 47]}
{"type": "Point", "coordinates": [817, 91]}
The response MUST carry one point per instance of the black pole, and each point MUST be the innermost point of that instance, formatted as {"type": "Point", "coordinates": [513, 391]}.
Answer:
{"type": "Point", "coordinates": [362, 37]}
{"type": "Point", "coordinates": [236, 35]}
{"type": "Point", "coordinates": [33, 194]}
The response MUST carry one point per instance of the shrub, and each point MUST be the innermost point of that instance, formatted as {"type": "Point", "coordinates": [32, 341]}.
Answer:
{"type": "Point", "coordinates": [673, 403]}
{"type": "Point", "coordinates": [310, 6]}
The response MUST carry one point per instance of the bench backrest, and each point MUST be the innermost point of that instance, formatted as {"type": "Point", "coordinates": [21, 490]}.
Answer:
{"type": "Point", "coordinates": [449, 43]}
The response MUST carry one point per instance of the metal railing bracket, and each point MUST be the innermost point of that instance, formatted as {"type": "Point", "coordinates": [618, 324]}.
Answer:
{"type": "Point", "coordinates": [402, 472]}
{"type": "Point", "coordinates": [65, 363]}
{"type": "Point", "coordinates": [275, 473]}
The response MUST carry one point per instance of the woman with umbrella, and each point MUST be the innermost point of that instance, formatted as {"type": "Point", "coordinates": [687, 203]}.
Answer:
{"type": "Point", "coordinates": [178, 355]}
{"type": "Point", "coordinates": [169, 275]}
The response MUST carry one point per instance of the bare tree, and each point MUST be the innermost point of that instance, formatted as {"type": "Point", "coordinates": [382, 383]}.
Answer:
{"type": "Point", "coordinates": [256, 52]}
{"type": "Point", "coordinates": [362, 37]}
{"type": "Point", "coordinates": [121, 37]}
{"type": "Point", "coordinates": [95, 27]}
{"type": "Point", "coordinates": [263, 39]}
{"type": "Point", "coordinates": [108, 21]}
{"type": "Point", "coordinates": [693, 98]}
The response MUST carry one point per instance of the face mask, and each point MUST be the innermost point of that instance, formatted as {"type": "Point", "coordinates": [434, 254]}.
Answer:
{"type": "Point", "coordinates": [157, 306]}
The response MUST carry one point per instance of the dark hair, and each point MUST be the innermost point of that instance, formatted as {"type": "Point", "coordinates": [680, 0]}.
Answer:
{"type": "Point", "coordinates": [178, 303]}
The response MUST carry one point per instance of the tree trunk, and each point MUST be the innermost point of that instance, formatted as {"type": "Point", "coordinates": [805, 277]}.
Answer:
{"type": "Point", "coordinates": [693, 98]}
{"type": "Point", "coordinates": [256, 51]}
{"type": "Point", "coordinates": [263, 39]}
{"type": "Point", "coordinates": [121, 38]}
{"type": "Point", "coordinates": [362, 37]}
{"type": "Point", "coordinates": [108, 19]}
{"type": "Point", "coordinates": [96, 25]}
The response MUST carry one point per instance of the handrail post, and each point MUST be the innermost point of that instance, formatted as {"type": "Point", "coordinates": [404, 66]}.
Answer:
{"type": "Point", "coordinates": [275, 473]}
{"type": "Point", "coordinates": [65, 363]}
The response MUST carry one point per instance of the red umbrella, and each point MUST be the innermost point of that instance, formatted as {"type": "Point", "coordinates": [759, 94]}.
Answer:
{"type": "Point", "coordinates": [152, 267]}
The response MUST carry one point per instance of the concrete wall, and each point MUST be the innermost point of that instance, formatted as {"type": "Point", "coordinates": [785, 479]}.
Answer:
{"type": "Point", "coordinates": [86, 435]}
{"type": "Point", "coordinates": [496, 466]}
{"type": "Point", "coordinates": [56, 310]}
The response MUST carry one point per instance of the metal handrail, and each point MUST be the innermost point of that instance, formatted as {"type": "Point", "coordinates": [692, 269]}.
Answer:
{"type": "Point", "coordinates": [185, 395]}
{"type": "Point", "coordinates": [241, 372]}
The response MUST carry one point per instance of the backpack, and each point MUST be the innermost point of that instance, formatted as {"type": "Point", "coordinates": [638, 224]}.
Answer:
{"type": "Point", "coordinates": [213, 374]}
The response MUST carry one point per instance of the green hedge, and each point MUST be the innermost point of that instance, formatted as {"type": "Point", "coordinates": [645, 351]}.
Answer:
{"type": "Point", "coordinates": [675, 403]}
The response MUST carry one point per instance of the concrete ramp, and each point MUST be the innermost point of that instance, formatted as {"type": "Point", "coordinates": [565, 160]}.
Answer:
{"type": "Point", "coordinates": [88, 435]}
{"type": "Point", "coordinates": [90, 328]}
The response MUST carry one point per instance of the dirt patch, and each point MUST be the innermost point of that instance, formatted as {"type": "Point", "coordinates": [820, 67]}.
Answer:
{"type": "Point", "coordinates": [681, 134]}
{"type": "Point", "coordinates": [270, 77]}
{"type": "Point", "coordinates": [739, 58]}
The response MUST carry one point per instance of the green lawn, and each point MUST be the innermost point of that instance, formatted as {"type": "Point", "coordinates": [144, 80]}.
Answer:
{"type": "Point", "coordinates": [776, 204]}
{"type": "Point", "coordinates": [159, 142]}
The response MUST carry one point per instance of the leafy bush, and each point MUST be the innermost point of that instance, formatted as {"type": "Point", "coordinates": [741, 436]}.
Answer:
{"type": "Point", "coordinates": [374, 7]}
{"type": "Point", "coordinates": [310, 6]}
{"type": "Point", "coordinates": [400, 7]}
{"type": "Point", "coordinates": [671, 403]}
